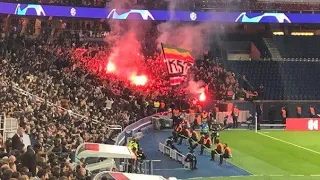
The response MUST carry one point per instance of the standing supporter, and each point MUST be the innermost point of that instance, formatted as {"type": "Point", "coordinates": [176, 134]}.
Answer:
{"type": "Point", "coordinates": [283, 114]}
{"type": "Point", "coordinates": [299, 111]}
{"type": "Point", "coordinates": [312, 112]}
{"type": "Point", "coordinates": [235, 116]}
{"type": "Point", "coordinates": [162, 106]}
{"type": "Point", "coordinates": [17, 140]}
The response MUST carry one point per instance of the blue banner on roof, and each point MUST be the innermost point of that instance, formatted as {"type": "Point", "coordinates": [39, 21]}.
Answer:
{"type": "Point", "coordinates": [156, 15]}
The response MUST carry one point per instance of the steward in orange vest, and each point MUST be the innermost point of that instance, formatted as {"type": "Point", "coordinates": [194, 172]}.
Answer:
{"type": "Point", "coordinates": [218, 150]}
{"type": "Point", "coordinates": [204, 141]}
{"type": "Point", "coordinates": [227, 154]}
{"type": "Point", "coordinates": [185, 134]}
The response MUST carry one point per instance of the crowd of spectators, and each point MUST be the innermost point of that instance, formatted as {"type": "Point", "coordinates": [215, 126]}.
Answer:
{"type": "Point", "coordinates": [61, 100]}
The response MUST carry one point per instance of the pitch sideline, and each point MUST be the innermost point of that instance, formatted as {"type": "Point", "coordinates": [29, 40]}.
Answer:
{"type": "Point", "coordinates": [292, 144]}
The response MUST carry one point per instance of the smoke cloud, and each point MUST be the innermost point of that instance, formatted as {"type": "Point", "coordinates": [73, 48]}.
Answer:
{"type": "Point", "coordinates": [125, 41]}
{"type": "Point", "coordinates": [196, 87]}
{"type": "Point", "coordinates": [193, 37]}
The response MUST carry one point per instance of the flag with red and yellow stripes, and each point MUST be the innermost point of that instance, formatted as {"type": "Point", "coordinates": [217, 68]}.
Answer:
{"type": "Point", "coordinates": [178, 63]}
{"type": "Point", "coordinates": [171, 52]}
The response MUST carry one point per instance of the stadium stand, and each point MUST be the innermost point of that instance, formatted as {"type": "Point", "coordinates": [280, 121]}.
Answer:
{"type": "Point", "coordinates": [303, 48]}
{"type": "Point", "coordinates": [282, 80]}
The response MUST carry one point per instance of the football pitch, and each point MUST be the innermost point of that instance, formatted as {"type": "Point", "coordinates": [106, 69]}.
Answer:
{"type": "Point", "coordinates": [274, 155]}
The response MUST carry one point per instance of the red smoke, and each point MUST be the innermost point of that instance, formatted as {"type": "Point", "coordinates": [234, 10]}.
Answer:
{"type": "Point", "coordinates": [139, 80]}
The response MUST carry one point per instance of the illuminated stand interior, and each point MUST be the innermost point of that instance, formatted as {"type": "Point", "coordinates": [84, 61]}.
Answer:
{"type": "Point", "coordinates": [157, 15]}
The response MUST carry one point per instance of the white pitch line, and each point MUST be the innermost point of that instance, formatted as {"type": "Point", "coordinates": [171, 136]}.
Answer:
{"type": "Point", "coordinates": [280, 140]}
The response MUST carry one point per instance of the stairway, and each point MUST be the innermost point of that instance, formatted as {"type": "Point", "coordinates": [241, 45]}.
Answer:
{"type": "Point", "coordinates": [275, 54]}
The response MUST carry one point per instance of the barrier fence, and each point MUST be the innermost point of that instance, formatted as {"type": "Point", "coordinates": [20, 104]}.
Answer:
{"type": "Point", "coordinates": [174, 155]}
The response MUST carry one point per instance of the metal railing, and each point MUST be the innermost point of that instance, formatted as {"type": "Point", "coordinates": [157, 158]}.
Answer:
{"type": "Point", "coordinates": [26, 93]}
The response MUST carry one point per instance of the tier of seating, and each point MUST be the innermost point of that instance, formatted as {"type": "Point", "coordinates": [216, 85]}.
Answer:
{"type": "Point", "coordinates": [298, 46]}
{"type": "Point", "coordinates": [286, 80]}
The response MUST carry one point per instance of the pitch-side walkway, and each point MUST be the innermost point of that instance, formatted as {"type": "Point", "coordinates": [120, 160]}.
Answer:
{"type": "Point", "coordinates": [170, 168]}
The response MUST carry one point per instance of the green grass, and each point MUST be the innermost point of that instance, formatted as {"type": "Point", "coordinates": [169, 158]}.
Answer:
{"type": "Point", "coordinates": [268, 158]}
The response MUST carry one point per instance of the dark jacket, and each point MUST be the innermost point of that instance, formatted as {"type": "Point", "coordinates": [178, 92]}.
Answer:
{"type": "Point", "coordinates": [17, 143]}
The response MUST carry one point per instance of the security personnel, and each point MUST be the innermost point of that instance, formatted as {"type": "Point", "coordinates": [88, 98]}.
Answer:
{"type": "Point", "coordinates": [176, 117]}
{"type": "Point", "coordinates": [132, 162]}
{"type": "Point", "coordinates": [140, 158]}
{"type": "Point", "coordinates": [299, 111]}
{"type": "Point", "coordinates": [312, 112]}
{"type": "Point", "coordinates": [226, 154]}
{"type": "Point", "coordinates": [215, 112]}
{"type": "Point", "coordinates": [185, 123]}
{"type": "Point", "coordinates": [175, 112]}
{"type": "Point", "coordinates": [204, 141]}
{"type": "Point", "coordinates": [204, 116]}
{"type": "Point", "coordinates": [169, 143]}
{"type": "Point", "coordinates": [283, 114]}
{"type": "Point", "coordinates": [197, 122]}
{"type": "Point", "coordinates": [133, 144]}
{"type": "Point", "coordinates": [156, 104]}
{"type": "Point", "coordinates": [178, 129]}
{"type": "Point", "coordinates": [185, 134]}
{"type": "Point", "coordinates": [194, 137]}
{"type": "Point", "coordinates": [235, 115]}
{"type": "Point", "coordinates": [192, 159]}
{"type": "Point", "coordinates": [204, 128]}
{"type": "Point", "coordinates": [218, 150]}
